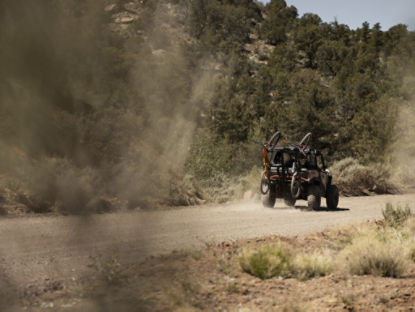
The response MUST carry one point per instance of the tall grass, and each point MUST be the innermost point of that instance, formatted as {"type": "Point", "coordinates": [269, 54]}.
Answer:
{"type": "Point", "coordinates": [382, 251]}
{"type": "Point", "coordinates": [368, 255]}
{"type": "Point", "coordinates": [396, 217]}
{"type": "Point", "coordinates": [316, 264]}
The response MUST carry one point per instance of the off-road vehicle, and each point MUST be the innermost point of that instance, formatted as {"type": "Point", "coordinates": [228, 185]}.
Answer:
{"type": "Point", "coordinates": [296, 171]}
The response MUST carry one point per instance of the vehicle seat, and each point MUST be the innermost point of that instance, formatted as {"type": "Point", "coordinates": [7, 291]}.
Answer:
{"type": "Point", "coordinates": [277, 159]}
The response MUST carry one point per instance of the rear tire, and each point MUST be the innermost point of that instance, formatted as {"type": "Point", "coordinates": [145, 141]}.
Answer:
{"type": "Point", "coordinates": [264, 188]}
{"type": "Point", "coordinates": [332, 198]}
{"type": "Point", "coordinates": [295, 186]}
{"type": "Point", "coordinates": [314, 197]}
{"type": "Point", "coordinates": [290, 201]}
{"type": "Point", "coordinates": [269, 199]}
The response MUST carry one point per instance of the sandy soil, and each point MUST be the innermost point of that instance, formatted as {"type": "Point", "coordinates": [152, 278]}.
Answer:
{"type": "Point", "coordinates": [45, 252]}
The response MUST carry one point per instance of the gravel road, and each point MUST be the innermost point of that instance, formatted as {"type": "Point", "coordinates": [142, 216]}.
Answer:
{"type": "Point", "coordinates": [38, 249]}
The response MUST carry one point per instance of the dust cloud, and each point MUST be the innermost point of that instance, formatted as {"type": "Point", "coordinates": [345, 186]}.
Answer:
{"type": "Point", "coordinates": [97, 108]}
{"type": "Point", "coordinates": [99, 102]}
{"type": "Point", "coordinates": [403, 150]}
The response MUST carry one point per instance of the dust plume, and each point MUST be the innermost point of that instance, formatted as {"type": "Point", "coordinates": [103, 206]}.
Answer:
{"type": "Point", "coordinates": [403, 150]}
{"type": "Point", "coordinates": [98, 104]}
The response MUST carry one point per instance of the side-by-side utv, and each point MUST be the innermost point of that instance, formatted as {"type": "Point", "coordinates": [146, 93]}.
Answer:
{"type": "Point", "coordinates": [296, 171]}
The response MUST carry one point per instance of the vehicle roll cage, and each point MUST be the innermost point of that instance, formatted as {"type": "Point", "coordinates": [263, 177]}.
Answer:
{"type": "Point", "coordinates": [300, 155]}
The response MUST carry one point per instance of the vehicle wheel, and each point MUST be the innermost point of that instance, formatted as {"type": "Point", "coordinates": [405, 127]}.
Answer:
{"type": "Point", "coordinates": [264, 184]}
{"type": "Point", "coordinates": [295, 186]}
{"type": "Point", "coordinates": [313, 197]}
{"type": "Point", "coordinates": [269, 199]}
{"type": "Point", "coordinates": [289, 200]}
{"type": "Point", "coordinates": [332, 198]}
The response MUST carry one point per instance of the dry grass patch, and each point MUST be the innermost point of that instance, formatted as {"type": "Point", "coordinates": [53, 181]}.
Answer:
{"type": "Point", "coordinates": [409, 232]}
{"type": "Point", "coordinates": [316, 264]}
{"type": "Point", "coordinates": [382, 251]}
{"type": "Point", "coordinates": [372, 255]}
{"type": "Point", "coordinates": [410, 249]}
{"type": "Point", "coordinates": [396, 216]}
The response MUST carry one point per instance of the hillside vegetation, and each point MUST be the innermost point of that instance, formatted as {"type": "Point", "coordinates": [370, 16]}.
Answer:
{"type": "Point", "coordinates": [137, 103]}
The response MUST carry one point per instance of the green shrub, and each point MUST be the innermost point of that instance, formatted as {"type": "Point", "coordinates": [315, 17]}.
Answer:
{"type": "Point", "coordinates": [354, 179]}
{"type": "Point", "coordinates": [396, 217]}
{"type": "Point", "coordinates": [279, 260]}
{"type": "Point", "coordinates": [183, 191]}
{"type": "Point", "coordinates": [247, 184]}
{"type": "Point", "coordinates": [268, 261]}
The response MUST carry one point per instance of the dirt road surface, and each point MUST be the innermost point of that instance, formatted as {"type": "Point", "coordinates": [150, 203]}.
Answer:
{"type": "Point", "coordinates": [38, 249]}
